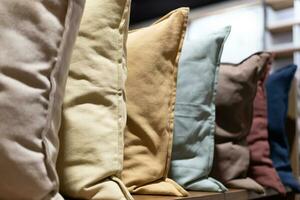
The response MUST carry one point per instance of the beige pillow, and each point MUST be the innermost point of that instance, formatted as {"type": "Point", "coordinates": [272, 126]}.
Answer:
{"type": "Point", "coordinates": [90, 161]}
{"type": "Point", "coordinates": [36, 42]}
{"type": "Point", "coordinates": [153, 54]}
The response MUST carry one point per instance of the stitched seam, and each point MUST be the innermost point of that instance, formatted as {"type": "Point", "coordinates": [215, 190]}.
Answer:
{"type": "Point", "coordinates": [158, 21]}
{"type": "Point", "coordinates": [48, 162]}
{"type": "Point", "coordinates": [121, 185]}
{"type": "Point", "coordinates": [213, 114]}
{"type": "Point", "coordinates": [119, 94]}
{"type": "Point", "coordinates": [171, 109]}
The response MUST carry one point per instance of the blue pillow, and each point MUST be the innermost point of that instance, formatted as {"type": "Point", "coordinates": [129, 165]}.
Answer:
{"type": "Point", "coordinates": [193, 145]}
{"type": "Point", "coordinates": [278, 85]}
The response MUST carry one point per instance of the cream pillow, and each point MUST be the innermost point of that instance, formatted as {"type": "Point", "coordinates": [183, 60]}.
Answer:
{"type": "Point", "coordinates": [36, 42]}
{"type": "Point", "coordinates": [94, 116]}
{"type": "Point", "coordinates": [153, 55]}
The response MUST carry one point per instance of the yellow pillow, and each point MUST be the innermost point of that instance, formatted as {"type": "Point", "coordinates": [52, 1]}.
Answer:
{"type": "Point", "coordinates": [94, 115]}
{"type": "Point", "coordinates": [153, 55]}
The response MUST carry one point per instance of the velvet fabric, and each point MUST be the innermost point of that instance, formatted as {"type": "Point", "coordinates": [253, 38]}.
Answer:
{"type": "Point", "coordinates": [261, 167]}
{"type": "Point", "coordinates": [153, 55]}
{"type": "Point", "coordinates": [234, 111]}
{"type": "Point", "coordinates": [94, 115]}
{"type": "Point", "coordinates": [193, 142]}
{"type": "Point", "coordinates": [278, 85]}
{"type": "Point", "coordinates": [36, 42]}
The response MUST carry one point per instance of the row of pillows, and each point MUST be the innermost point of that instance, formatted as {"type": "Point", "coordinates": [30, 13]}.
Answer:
{"type": "Point", "coordinates": [170, 125]}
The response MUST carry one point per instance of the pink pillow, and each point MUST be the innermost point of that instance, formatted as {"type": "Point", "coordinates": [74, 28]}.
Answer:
{"type": "Point", "coordinates": [261, 166]}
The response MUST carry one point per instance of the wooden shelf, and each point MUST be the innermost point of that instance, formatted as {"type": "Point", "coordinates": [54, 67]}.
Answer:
{"type": "Point", "coordinates": [269, 193]}
{"type": "Point", "coordinates": [283, 26]}
{"type": "Point", "coordinates": [280, 4]}
{"type": "Point", "coordinates": [232, 194]}
{"type": "Point", "coordinates": [285, 50]}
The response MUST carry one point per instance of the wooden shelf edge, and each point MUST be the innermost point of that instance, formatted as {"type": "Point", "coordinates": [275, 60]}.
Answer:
{"type": "Point", "coordinates": [284, 51]}
{"type": "Point", "coordinates": [235, 194]}
{"type": "Point", "coordinates": [284, 26]}
{"type": "Point", "coordinates": [280, 4]}
{"type": "Point", "coordinates": [232, 194]}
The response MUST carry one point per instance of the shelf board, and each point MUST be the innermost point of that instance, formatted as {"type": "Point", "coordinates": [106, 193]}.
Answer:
{"type": "Point", "coordinates": [192, 196]}
{"type": "Point", "coordinates": [280, 4]}
{"type": "Point", "coordinates": [269, 193]}
{"type": "Point", "coordinates": [232, 194]}
{"type": "Point", "coordinates": [283, 26]}
{"type": "Point", "coordinates": [285, 50]}
{"type": "Point", "coordinates": [236, 194]}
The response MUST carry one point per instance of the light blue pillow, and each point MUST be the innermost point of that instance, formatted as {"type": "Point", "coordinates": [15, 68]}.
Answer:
{"type": "Point", "coordinates": [193, 145]}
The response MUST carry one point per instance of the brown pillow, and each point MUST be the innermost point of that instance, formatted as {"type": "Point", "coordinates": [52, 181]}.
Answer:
{"type": "Point", "coordinates": [153, 55]}
{"type": "Point", "coordinates": [261, 166]}
{"type": "Point", "coordinates": [234, 109]}
{"type": "Point", "coordinates": [36, 41]}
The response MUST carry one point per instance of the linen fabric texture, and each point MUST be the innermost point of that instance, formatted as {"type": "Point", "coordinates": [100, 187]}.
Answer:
{"type": "Point", "coordinates": [36, 42]}
{"type": "Point", "coordinates": [261, 167]}
{"type": "Point", "coordinates": [234, 110]}
{"type": "Point", "coordinates": [278, 85]}
{"type": "Point", "coordinates": [193, 143]}
{"type": "Point", "coordinates": [94, 115]}
{"type": "Point", "coordinates": [153, 55]}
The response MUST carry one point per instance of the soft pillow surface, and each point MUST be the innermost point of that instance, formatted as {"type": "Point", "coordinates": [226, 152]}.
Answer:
{"type": "Point", "coordinates": [94, 116]}
{"type": "Point", "coordinates": [36, 42]}
{"type": "Point", "coordinates": [278, 86]}
{"type": "Point", "coordinates": [153, 55]}
{"type": "Point", "coordinates": [261, 166]}
{"type": "Point", "coordinates": [193, 145]}
{"type": "Point", "coordinates": [234, 110]}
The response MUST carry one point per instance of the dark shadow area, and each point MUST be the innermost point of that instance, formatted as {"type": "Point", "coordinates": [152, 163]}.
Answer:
{"type": "Point", "coordinates": [148, 9]}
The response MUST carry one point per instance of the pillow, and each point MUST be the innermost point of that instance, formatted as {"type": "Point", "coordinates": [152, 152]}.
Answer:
{"type": "Point", "coordinates": [153, 55]}
{"type": "Point", "coordinates": [94, 116]}
{"type": "Point", "coordinates": [193, 145]}
{"type": "Point", "coordinates": [261, 166]}
{"type": "Point", "coordinates": [234, 108]}
{"type": "Point", "coordinates": [278, 85]}
{"type": "Point", "coordinates": [36, 43]}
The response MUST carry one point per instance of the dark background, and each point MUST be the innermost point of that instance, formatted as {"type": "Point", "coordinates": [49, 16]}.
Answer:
{"type": "Point", "coordinates": [148, 9]}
